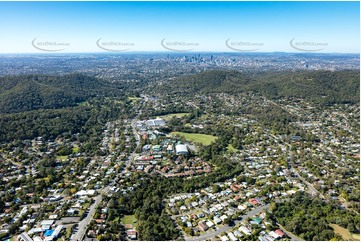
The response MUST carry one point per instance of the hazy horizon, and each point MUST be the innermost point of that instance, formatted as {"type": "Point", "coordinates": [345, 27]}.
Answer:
{"type": "Point", "coordinates": [101, 27]}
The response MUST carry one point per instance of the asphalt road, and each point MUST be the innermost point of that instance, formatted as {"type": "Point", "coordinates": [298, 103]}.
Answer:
{"type": "Point", "coordinates": [137, 138]}
{"type": "Point", "coordinates": [291, 235]}
{"type": "Point", "coordinates": [311, 189]}
{"type": "Point", "coordinates": [84, 223]}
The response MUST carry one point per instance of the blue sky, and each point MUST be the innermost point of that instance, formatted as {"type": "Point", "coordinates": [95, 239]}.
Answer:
{"type": "Point", "coordinates": [204, 26]}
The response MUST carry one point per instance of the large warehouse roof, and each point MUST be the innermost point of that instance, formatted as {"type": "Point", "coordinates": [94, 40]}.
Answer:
{"type": "Point", "coordinates": [181, 149]}
{"type": "Point", "coordinates": [155, 122]}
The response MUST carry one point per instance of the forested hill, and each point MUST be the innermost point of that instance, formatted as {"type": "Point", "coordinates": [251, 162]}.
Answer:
{"type": "Point", "coordinates": [214, 81]}
{"type": "Point", "coordinates": [323, 87]}
{"type": "Point", "coordinates": [31, 92]}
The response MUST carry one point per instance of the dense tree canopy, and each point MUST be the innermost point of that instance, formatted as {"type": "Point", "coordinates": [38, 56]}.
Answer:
{"type": "Point", "coordinates": [31, 92]}
{"type": "Point", "coordinates": [309, 217]}
{"type": "Point", "coordinates": [323, 87]}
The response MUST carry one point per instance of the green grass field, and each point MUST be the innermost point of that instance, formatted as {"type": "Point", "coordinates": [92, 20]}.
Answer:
{"type": "Point", "coordinates": [231, 149]}
{"type": "Point", "coordinates": [76, 149]}
{"type": "Point", "coordinates": [62, 157]}
{"type": "Point", "coordinates": [346, 235]}
{"type": "Point", "coordinates": [200, 138]}
{"type": "Point", "coordinates": [134, 99]}
{"type": "Point", "coordinates": [171, 115]}
{"type": "Point", "coordinates": [188, 125]}
{"type": "Point", "coordinates": [84, 104]}
{"type": "Point", "coordinates": [129, 219]}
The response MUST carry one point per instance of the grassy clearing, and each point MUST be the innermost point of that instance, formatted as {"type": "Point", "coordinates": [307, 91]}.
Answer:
{"type": "Point", "coordinates": [200, 138]}
{"type": "Point", "coordinates": [356, 237]}
{"type": "Point", "coordinates": [75, 149]}
{"type": "Point", "coordinates": [188, 125]}
{"type": "Point", "coordinates": [231, 149]}
{"type": "Point", "coordinates": [14, 238]}
{"type": "Point", "coordinates": [134, 98]}
{"type": "Point", "coordinates": [346, 235]}
{"type": "Point", "coordinates": [171, 115]}
{"type": "Point", "coordinates": [129, 219]}
{"type": "Point", "coordinates": [84, 104]}
{"type": "Point", "coordinates": [165, 162]}
{"type": "Point", "coordinates": [62, 157]}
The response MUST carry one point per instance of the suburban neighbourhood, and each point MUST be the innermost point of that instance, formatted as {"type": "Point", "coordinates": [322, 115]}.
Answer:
{"type": "Point", "coordinates": [275, 167]}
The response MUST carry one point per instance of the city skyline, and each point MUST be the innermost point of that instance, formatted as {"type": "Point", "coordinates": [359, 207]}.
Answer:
{"type": "Point", "coordinates": [126, 27]}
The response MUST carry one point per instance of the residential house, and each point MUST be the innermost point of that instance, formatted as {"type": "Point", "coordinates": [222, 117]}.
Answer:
{"type": "Point", "coordinates": [203, 226]}
{"type": "Point", "coordinates": [217, 220]}
{"type": "Point", "coordinates": [210, 224]}
{"type": "Point", "coordinates": [132, 234]}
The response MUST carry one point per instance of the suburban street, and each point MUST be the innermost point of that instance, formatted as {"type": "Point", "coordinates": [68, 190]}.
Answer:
{"type": "Point", "coordinates": [291, 235]}
{"type": "Point", "coordinates": [83, 224]}
{"type": "Point", "coordinates": [133, 123]}
{"type": "Point", "coordinates": [311, 189]}
{"type": "Point", "coordinates": [212, 234]}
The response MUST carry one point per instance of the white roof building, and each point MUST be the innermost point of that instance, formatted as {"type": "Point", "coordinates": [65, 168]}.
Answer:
{"type": "Point", "coordinates": [24, 237]}
{"type": "Point", "coordinates": [232, 237]}
{"type": "Point", "coordinates": [210, 224]}
{"type": "Point", "coordinates": [53, 216]}
{"type": "Point", "coordinates": [181, 149]}
{"type": "Point", "coordinates": [57, 231]}
{"type": "Point", "coordinates": [155, 122]}
{"type": "Point", "coordinates": [47, 222]}
{"type": "Point", "coordinates": [38, 238]}
{"type": "Point", "coordinates": [244, 230]}
{"type": "Point", "coordinates": [223, 217]}
{"type": "Point", "coordinates": [217, 220]}
{"type": "Point", "coordinates": [224, 238]}
{"type": "Point", "coordinates": [85, 193]}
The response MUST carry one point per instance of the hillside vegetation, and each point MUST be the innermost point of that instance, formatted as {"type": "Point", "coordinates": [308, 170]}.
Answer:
{"type": "Point", "coordinates": [322, 87]}
{"type": "Point", "coordinates": [31, 92]}
{"type": "Point", "coordinates": [310, 217]}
